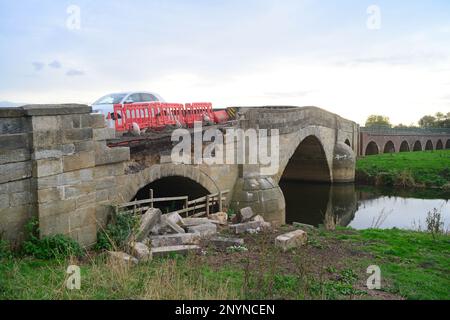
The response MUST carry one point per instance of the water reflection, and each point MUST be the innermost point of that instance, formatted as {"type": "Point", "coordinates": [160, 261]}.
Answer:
{"type": "Point", "coordinates": [361, 207]}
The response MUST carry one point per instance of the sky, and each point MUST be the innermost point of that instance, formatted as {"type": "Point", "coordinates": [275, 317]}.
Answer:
{"type": "Point", "coordinates": [351, 57]}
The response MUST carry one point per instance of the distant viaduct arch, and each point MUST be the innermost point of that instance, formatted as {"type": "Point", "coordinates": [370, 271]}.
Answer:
{"type": "Point", "coordinates": [375, 140]}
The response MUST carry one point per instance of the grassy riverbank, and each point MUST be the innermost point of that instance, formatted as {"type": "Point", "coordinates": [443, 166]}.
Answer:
{"type": "Point", "coordinates": [332, 266]}
{"type": "Point", "coordinates": [409, 169]}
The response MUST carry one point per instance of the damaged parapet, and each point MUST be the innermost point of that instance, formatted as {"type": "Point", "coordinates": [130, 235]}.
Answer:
{"type": "Point", "coordinates": [55, 165]}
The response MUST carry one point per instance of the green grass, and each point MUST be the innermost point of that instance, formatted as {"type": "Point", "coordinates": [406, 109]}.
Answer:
{"type": "Point", "coordinates": [410, 169]}
{"type": "Point", "coordinates": [413, 264]}
{"type": "Point", "coordinates": [416, 265]}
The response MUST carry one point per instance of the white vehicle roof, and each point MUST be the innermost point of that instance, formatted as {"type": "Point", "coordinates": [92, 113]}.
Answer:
{"type": "Point", "coordinates": [129, 93]}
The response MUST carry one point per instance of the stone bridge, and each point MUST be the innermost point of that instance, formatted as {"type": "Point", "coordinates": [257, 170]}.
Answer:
{"type": "Point", "coordinates": [61, 164]}
{"type": "Point", "coordinates": [383, 140]}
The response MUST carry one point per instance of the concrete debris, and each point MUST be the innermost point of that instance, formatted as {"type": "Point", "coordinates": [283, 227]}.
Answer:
{"type": "Point", "coordinates": [223, 243]}
{"type": "Point", "coordinates": [221, 218]}
{"type": "Point", "coordinates": [205, 230]}
{"type": "Point", "coordinates": [291, 240]}
{"type": "Point", "coordinates": [162, 252]}
{"type": "Point", "coordinates": [246, 214]}
{"type": "Point", "coordinates": [141, 252]}
{"type": "Point", "coordinates": [148, 222]}
{"type": "Point", "coordinates": [246, 227]}
{"type": "Point", "coordinates": [174, 240]}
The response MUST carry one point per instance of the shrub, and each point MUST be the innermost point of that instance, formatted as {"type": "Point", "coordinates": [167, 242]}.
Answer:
{"type": "Point", "coordinates": [404, 179]}
{"type": "Point", "coordinates": [5, 250]}
{"type": "Point", "coordinates": [435, 224]}
{"type": "Point", "coordinates": [52, 247]}
{"type": "Point", "coordinates": [117, 234]}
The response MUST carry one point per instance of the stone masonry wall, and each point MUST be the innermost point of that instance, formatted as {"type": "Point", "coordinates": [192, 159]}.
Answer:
{"type": "Point", "coordinates": [69, 171]}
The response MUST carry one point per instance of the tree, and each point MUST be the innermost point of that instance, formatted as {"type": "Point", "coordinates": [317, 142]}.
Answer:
{"type": "Point", "coordinates": [427, 122]}
{"type": "Point", "coordinates": [439, 120]}
{"type": "Point", "coordinates": [377, 120]}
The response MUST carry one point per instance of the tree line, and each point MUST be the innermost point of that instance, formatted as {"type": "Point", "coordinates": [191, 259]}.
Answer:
{"type": "Point", "coordinates": [439, 120]}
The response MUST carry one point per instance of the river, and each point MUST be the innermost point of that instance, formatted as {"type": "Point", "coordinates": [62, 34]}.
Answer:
{"type": "Point", "coordinates": [363, 207]}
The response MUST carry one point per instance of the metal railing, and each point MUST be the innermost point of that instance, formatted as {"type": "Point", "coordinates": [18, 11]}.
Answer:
{"type": "Point", "coordinates": [205, 203]}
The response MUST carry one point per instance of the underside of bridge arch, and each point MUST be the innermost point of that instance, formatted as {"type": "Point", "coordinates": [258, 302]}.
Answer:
{"type": "Point", "coordinates": [174, 186]}
{"type": "Point", "coordinates": [372, 149]}
{"type": "Point", "coordinates": [404, 147]}
{"type": "Point", "coordinates": [417, 146]}
{"type": "Point", "coordinates": [429, 145]}
{"type": "Point", "coordinates": [439, 145]}
{"type": "Point", "coordinates": [389, 147]}
{"type": "Point", "coordinates": [309, 163]}
{"type": "Point", "coordinates": [447, 145]}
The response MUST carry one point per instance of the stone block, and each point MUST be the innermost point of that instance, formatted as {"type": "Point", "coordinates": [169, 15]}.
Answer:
{"type": "Point", "coordinates": [4, 201]}
{"type": "Point", "coordinates": [74, 135]}
{"type": "Point", "coordinates": [104, 134]}
{"type": "Point", "coordinates": [246, 214]}
{"type": "Point", "coordinates": [56, 208]}
{"type": "Point", "coordinates": [15, 171]}
{"type": "Point", "coordinates": [245, 227]}
{"type": "Point", "coordinates": [291, 240]}
{"type": "Point", "coordinates": [205, 230]}
{"type": "Point", "coordinates": [78, 190]}
{"type": "Point", "coordinates": [47, 167]}
{"type": "Point", "coordinates": [162, 252]}
{"type": "Point", "coordinates": [95, 121]}
{"type": "Point", "coordinates": [175, 240]}
{"type": "Point", "coordinates": [224, 243]}
{"type": "Point", "coordinates": [110, 156]}
{"type": "Point", "coordinates": [81, 160]}
{"type": "Point", "coordinates": [54, 151]}
{"type": "Point", "coordinates": [46, 123]}
{"type": "Point", "coordinates": [20, 199]}
{"type": "Point", "coordinates": [141, 252]}
{"type": "Point", "coordinates": [148, 221]}
{"type": "Point", "coordinates": [221, 218]}
{"type": "Point", "coordinates": [83, 217]}
{"type": "Point", "coordinates": [14, 141]}
{"type": "Point", "coordinates": [51, 138]}
{"type": "Point", "coordinates": [10, 156]}
{"type": "Point", "coordinates": [109, 170]}
{"type": "Point", "coordinates": [50, 194]}
{"type": "Point", "coordinates": [87, 235]}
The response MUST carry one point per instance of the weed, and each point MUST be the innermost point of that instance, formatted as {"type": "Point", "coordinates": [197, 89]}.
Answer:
{"type": "Point", "coordinates": [117, 233]}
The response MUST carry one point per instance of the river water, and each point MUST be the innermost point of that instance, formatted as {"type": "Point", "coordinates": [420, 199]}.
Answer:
{"type": "Point", "coordinates": [362, 207]}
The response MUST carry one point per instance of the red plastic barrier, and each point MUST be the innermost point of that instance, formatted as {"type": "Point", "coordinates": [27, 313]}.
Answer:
{"type": "Point", "coordinates": [220, 116]}
{"type": "Point", "coordinates": [158, 115]}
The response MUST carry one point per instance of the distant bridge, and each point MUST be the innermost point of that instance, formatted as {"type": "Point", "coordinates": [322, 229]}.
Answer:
{"type": "Point", "coordinates": [386, 140]}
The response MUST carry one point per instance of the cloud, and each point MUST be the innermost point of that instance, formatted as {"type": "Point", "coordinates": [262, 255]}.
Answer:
{"type": "Point", "coordinates": [289, 94]}
{"type": "Point", "coordinates": [74, 73]}
{"type": "Point", "coordinates": [55, 64]}
{"type": "Point", "coordinates": [38, 66]}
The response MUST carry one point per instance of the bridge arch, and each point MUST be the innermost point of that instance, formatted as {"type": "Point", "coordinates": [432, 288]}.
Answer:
{"type": "Point", "coordinates": [429, 146]}
{"type": "Point", "coordinates": [417, 146]}
{"type": "Point", "coordinates": [439, 145]}
{"type": "Point", "coordinates": [372, 149]}
{"type": "Point", "coordinates": [404, 147]}
{"type": "Point", "coordinates": [447, 145]}
{"type": "Point", "coordinates": [185, 175]}
{"type": "Point", "coordinates": [308, 163]}
{"type": "Point", "coordinates": [389, 147]}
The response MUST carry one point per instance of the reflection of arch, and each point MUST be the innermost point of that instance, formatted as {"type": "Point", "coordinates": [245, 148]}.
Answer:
{"type": "Point", "coordinates": [372, 149]}
{"type": "Point", "coordinates": [447, 145]}
{"type": "Point", "coordinates": [417, 146]}
{"type": "Point", "coordinates": [429, 146]}
{"type": "Point", "coordinates": [389, 147]}
{"type": "Point", "coordinates": [309, 162]}
{"type": "Point", "coordinates": [405, 147]}
{"type": "Point", "coordinates": [347, 142]}
{"type": "Point", "coordinates": [439, 145]}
